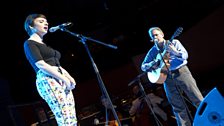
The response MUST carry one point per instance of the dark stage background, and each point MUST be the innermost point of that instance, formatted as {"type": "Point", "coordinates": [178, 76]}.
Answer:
{"type": "Point", "coordinates": [122, 23]}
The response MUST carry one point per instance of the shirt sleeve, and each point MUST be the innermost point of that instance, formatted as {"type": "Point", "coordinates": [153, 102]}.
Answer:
{"type": "Point", "coordinates": [180, 48]}
{"type": "Point", "coordinates": [32, 52]}
{"type": "Point", "coordinates": [150, 59]}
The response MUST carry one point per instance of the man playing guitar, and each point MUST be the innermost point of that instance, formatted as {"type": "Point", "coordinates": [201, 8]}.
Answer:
{"type": "Point", "coordinates": [166, 63]}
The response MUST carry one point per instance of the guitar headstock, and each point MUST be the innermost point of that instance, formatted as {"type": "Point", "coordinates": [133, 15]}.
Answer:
{"type": "Point", "coordinates": [177, 33]}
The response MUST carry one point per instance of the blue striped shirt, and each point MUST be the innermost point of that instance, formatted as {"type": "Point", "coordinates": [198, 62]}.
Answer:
{"type": "Point", "coordinates": [176, 60]}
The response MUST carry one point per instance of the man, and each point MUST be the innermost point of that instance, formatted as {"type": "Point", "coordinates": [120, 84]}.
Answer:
{"type": "Point", "coordinates": [168, 59]}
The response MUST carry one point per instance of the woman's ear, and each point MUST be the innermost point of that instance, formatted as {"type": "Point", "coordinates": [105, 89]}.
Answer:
{"type": "Point", "coordinates": [33, 29]}
{"type": "Point", "coordinates": [30, 27]}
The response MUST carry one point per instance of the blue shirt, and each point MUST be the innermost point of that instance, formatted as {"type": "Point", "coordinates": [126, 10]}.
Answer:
{"type": "Point", "coordinates": [176, 60]}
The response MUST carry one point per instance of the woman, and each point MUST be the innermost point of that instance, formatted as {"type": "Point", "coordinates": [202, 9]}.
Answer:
{"type": "Point", "coordinates": [54, 84]}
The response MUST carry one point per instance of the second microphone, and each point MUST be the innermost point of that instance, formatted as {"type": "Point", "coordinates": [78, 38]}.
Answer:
{"type": "Point", "coordinates": [55, 28]}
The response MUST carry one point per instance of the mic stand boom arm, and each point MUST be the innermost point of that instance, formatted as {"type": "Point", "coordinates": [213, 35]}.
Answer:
{"type": "Point", "coordinates": [83, 38]}
{"type": "Point", "coordinates": [101, 84]}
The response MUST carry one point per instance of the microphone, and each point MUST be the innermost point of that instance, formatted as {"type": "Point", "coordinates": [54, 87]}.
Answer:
{"type": "Point", "coordinates": [154, 40]}
{"type": "Point", "coordinates": [55, 28]}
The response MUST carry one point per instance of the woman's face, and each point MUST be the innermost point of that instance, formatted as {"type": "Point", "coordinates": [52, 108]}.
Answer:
{"type": "Point", "coordinates": [40, 26]}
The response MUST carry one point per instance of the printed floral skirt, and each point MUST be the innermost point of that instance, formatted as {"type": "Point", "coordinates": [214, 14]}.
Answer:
{"type": "Point", "coordinates": [59, 99]}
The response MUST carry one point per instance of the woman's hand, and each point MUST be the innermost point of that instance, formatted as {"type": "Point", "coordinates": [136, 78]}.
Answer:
{"type": "Point", "coordinates": [69, 84]}
{"type": "Point", "coordinates": [72, 84]}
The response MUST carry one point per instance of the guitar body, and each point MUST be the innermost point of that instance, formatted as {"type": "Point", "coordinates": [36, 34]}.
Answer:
{"type": "Point", "coordinates": [158, 79]}
{"type": "Point", "coordinates": [159, 75]}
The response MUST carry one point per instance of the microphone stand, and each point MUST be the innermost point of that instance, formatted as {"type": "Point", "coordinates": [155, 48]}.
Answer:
{"type": "Point", "coordinates": [101, 84]}
{"type": "Point", "coordinates": [136, 78]}
{"type": "Point", "coordinates": [146, 98]}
